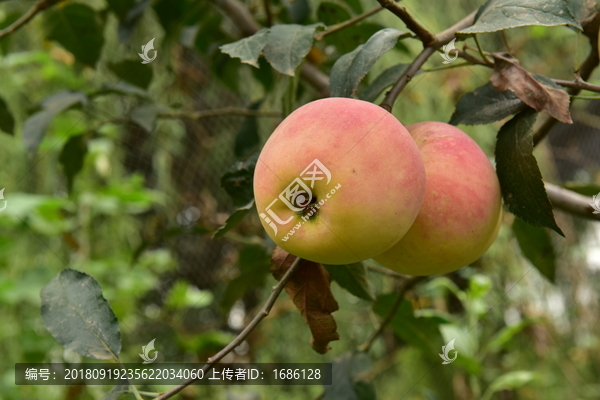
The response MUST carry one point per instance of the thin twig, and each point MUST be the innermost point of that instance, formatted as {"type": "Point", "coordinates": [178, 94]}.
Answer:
{"type": "Point", "coordinates": [578, 83]}
{"type": "Point", "coordinates": [571, 202]}
{"type": "Point", "coordinates": [218, 112]}
{"type": "Point", "coordinates": [422, 33]}
{"type": "Point", "coordinates": [406, 286]}
{"type": "Point", "coordinates": [242, 336]}
{"type": "Point", "coordinates": [41, 5]}
{"type": "Point", "coordinates": [440, 39]}
{"type": "Point", "coordinates": [342, 25]}
{"type": "Point", "coordinates": [267, 4]}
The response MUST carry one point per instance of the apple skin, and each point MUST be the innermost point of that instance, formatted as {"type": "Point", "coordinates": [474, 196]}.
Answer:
{"type": "Point", "coordinates": [462, 211]}
{"type": "Point", "coordinates": [369, 153]}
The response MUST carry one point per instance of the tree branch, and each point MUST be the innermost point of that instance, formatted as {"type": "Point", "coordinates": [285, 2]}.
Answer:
{"type": "Point", "coordinates": [240, 338]}
{"type": "Point", "coordinates": [245, 22]}
{"type": "Point", "coordinates": [342, 25]}
{"type": "Point", "coordinates": [422, 33]}
{"type": "Point", "coordinates": [219, 111]}
{"type": "Point", "coordinates": [41, 5]}
{"type": "Point", "coordinates": [440, 39]}
{"type": "Point", "coordinates": [578, 83]}
{"type": "Point", "coordinates": [406, 286]}
{"type": "Point", "coordinates": [571, 202]}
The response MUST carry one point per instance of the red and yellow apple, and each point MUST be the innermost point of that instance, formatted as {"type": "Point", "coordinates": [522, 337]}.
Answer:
{"type": "Point", "coordinates": [461, 214]}
{"type": "Point", "coordinates": [339, 181]}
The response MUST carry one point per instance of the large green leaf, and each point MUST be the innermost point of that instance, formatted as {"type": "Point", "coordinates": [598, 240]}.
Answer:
{"type": "Point", "coordinates": [512, 380]}
{"type": "Point", "coordinates": [484, 105]}
{"type": "Point", "coordinates": [248, 49]}
{"type": "Point", "coordinates": [349, 69]}
{"type": "Point", "coordinates": [420, 332]}
{"type": "Point", "coordinates": [79, 317]}
{"type": "Point", "coordinates": [7, 122]}
{"type": "Point", "coordinates": [506, 334]}
{"type": "Point", "coordinates": [353, 278]}
{"type": "Point", "coordinates": [35, 126]}
{"type": "Point", "coordinates": [287, 45]}
{"type": "Point", "coordinates": [71, 158]}
{"type": "Point", "coordinates": [234, 219]}
{"type": "Point", "coordinates": [133, 71]}
{"type": "Point", "coordinates": [347, 378]}
{"type": "Point", "coordinates": [496, 15]}
{"type": "Point", "coordinates": [76, 27]}
{"type": "Point", "coordinates": [537, 247]}
{"type": "Point", "coordinates": [382, 82]}
{"type": "Point", "coordinates": [519, 175]}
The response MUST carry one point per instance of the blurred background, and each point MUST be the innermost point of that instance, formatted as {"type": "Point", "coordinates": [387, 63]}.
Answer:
{"type": "Point", "coordinates": [114, 168]}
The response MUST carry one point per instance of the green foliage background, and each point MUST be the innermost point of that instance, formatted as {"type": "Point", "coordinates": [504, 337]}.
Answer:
{"type": "Point", "coordinates": [111, 179]}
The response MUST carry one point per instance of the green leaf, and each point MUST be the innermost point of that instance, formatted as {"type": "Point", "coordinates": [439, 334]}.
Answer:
{"type": "Point", "coordinates": [116, 392]}
{"type": "Point", "coordinates": [71, 158]}
{"type": "Point", "coordinates": [349, 69]}
{"type": "Point", "coordinates": [420, 332]}
{"type": "Point", "coordinates": [506, 334]}
{"type": "Point", "coordinates": [145, 116]}
{"type": "Point", "coordinates": [234, 219]}
{"type": "Point", "coordinates": [512, 380]}
{"type": "Point", "coordinates": [7, 122]}
{"type": "Point", "coordinates": [132, 71]}
{"type": "Point", "coordinates": [520, 178]}
{"type": "Point", "coordinates": [9, 19]}
{"type": "Point", "coordinates": [331, 13]}
{"type": "Point", "coordinates": [353, 278]}
{"type": "Point", "coordinates": [248, 49]}
{"type": "Point", "coordinates": [76, 27]}
{"type": "Point", "coordinates": [132, 18]}
{"type": "Point", "coordinates": [238, 181]}
{"type": "Point", "coordinates": [36, 125]}
{"type": "Point", "coordinates": [171, 14]}
{"type": "Point", "coordinates": [254, 264]}
{"type": "Point", "coordinates": [287, 45]}
{"type": "Point", "coordinates": [122, 88]}
{"type": "Point", "coordinates": [349, 38]}
{"type": "Point", "coordinates": [497, 15]}
{"type": "Point", "coordinates": [484, 105]}
{"type": "Point", "coordinates": [382, 82]}
{"type": "Point", "coordinates": [347, 383]}
{"type": "Point", "coordinates": [182, 294]}
{"type": "Point", "coordinates": [79, 317]}
{"type": "Point", "coordinates": [537, 247]}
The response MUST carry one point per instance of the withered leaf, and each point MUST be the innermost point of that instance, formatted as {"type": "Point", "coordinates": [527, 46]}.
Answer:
{"type": "Point", "coordinates": [509, 75]}
{"type": "Point", "coordinates": [309, 289]}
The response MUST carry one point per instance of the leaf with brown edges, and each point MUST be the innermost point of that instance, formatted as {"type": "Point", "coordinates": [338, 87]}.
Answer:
{"type": "Point", "coordinates": [509, 75]}
{"type": "Point", "coordinates": [309, 289]}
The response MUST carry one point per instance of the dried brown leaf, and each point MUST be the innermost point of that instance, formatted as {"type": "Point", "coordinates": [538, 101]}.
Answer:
{"type": "Point", "coordinates": [509, 75]}
{"type": "Point", "coordinates": [309, 289]}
